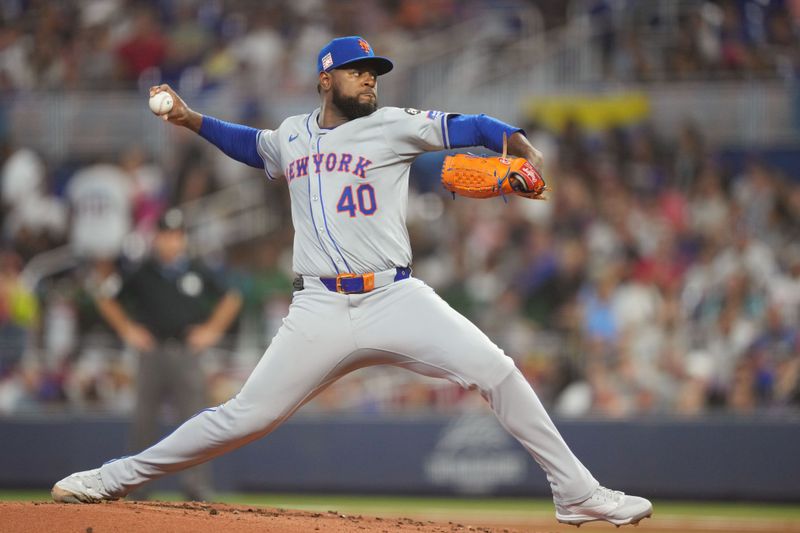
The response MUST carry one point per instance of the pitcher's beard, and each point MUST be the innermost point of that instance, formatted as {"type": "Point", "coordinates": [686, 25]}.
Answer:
{"type": "Point", "coordinates": [350, 106]}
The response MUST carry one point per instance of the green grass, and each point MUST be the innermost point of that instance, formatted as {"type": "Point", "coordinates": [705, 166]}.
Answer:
{"type": "Point", "coordinates": [410, 506]}
{"type": "Point", "coordinates": [24, 495]}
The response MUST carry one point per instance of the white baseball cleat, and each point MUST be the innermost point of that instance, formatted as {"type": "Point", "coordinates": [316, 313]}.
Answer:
{"type": "Point", "coordinates": [605, 504]}
{"type": "Point", "coordinates": [81, 487]}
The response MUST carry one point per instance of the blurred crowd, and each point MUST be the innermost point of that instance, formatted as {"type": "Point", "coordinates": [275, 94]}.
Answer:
{"type": "Point", "coordinates": [102, 44]}
{"type": "Point", "coordinates": [656, 280]}
{"type": "Point", "coordinates": [199, 44]}
{"type": "Point", "coordinates": [710, 39]}
{"type": "Point", "coordinates": [659, 278]}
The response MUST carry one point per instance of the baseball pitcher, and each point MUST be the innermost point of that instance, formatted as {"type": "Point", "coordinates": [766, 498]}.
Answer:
{"type": "Point", "coordinates": [356, 303]}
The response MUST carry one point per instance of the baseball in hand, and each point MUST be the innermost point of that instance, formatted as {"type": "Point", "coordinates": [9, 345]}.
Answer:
{"type": "Point", "coordinates": [161, 103]}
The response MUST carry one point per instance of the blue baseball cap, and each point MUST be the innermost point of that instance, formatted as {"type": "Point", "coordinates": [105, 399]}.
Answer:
{"type": "Point", "coordinates": [346, 50]}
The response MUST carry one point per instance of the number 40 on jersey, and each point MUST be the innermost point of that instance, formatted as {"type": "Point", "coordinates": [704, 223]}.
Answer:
{"type": "Point", "coordinates": [362, 200]}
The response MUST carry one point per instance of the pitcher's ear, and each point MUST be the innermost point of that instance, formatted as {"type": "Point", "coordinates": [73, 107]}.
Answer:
{"type": "Point", "coordinates": [325, 81]}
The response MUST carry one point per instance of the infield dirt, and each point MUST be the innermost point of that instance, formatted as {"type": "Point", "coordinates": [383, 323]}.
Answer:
{"type": "Point", "coordinates": [171, 517]}
{"type": "Point", "coordinates": [168, 517]}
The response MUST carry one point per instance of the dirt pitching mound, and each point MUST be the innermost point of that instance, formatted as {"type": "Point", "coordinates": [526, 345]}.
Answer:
{"type": "Point", "coordinates": [164, 517]}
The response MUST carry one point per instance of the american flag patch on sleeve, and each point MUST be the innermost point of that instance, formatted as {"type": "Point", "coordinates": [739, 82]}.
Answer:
{"type": "Point", "coordinates": [327, 61]}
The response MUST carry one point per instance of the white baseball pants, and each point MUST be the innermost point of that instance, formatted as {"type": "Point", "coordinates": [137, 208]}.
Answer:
{"type": "Point", "coordinates": [325, 336]}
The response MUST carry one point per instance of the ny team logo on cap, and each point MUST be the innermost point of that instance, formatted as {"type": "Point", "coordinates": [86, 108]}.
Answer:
{"type": "Point", "coordinates": [350, 50]}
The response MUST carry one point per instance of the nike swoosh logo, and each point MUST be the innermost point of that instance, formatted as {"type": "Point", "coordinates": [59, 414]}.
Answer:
{"type": "Point", "coordinates": [293, 137]}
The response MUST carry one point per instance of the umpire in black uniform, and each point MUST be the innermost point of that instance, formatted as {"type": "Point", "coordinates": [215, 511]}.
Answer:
{"type": "Point", "coordinates": [170, 309]}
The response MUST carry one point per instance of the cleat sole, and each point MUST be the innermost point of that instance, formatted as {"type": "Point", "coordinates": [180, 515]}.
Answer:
{"type": "Point", "coordinates": [634, 521]}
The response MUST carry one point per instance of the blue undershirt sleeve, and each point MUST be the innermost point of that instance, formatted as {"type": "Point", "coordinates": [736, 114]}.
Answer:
{"type": "Point", "coordinates": [236, 141]}
{"type": "Point", "coordinates": [478, 130]}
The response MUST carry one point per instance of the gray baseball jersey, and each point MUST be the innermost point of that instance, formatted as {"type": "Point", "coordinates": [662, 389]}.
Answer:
{"type": "Point", "coordinates": [349, 186]}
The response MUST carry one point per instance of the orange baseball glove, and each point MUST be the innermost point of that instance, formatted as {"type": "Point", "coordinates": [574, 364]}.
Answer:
{"type": "Point", "coordinates": [486, 177]}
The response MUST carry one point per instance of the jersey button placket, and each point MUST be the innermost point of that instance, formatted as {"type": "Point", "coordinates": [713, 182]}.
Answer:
{"type": "Point", "coordinates": [323, 226]}
{"type": "Point", "coordinates": [316, 210]}
{"type": "Point", "coordinates": [315, 195]}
